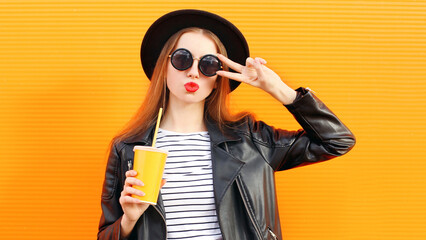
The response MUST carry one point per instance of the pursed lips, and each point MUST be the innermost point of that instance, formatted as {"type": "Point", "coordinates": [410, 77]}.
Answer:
{"type": "Point", "coordinates": [191, 87]}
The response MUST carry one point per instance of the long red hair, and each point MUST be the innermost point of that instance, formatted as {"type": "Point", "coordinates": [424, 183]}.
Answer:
{"type": "Point", "coordinates": [216, 104]}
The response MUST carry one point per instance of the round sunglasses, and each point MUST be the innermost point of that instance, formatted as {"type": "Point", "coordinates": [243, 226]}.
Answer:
{"type": "Point", "coordinates": [182, 59]}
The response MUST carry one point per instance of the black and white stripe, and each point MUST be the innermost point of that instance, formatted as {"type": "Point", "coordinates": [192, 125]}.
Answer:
{"type": "Point", "coordinates": [188, 194]}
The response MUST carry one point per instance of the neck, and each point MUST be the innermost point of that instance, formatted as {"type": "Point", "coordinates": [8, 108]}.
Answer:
{"type": "Point", "coordinates": [184, 118]}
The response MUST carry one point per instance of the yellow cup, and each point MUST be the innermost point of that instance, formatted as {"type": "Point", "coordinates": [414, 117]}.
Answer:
{"type": "Point", "coordinates": [149, 162]}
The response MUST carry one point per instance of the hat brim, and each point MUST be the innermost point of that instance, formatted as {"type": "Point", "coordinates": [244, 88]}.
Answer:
{"type": "Point", "coordinates": [167, 25]}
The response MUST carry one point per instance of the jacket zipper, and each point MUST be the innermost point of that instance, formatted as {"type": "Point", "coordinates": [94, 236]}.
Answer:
{"type": "Point", "coordinates": [272, 234]}
{"type": "Point", "coordinates": [258, 233]}
{"type": "Point", "coordinates": [129, 165]}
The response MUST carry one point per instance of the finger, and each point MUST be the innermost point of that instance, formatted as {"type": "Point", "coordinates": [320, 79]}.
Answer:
{"type": "Point", "coordinates": [262, 61]}
{"type": "Point", "coordinates": [250, 62]}
{"type": "Point", "coordinates": [134, 191]}
{"type": "Point", "coordinates": [131, 173]}
{"type": "Point", "coordinates": [259, 68]}
{"type": "Point", "coordinates": [228, 62]}
{"type": "Point", "coordinates": [231, 75]}
{"type": "Point", "coordinates": [129, 199]}
{"type": "Point", "coordinates": [133, 181]}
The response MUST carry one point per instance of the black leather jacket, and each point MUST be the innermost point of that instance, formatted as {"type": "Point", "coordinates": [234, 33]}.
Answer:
{"type": "Point", "coordinates": [244, 161]}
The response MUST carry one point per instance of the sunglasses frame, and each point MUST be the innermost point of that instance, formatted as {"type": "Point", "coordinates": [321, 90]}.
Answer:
{"type": "Point", "coordinates": [192, 62]}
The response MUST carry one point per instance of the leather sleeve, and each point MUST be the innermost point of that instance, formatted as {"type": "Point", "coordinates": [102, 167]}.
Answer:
{"type": "Point", "coordinates": [109, 225]}
{"type": "Point", "coordinates": [323, 136]}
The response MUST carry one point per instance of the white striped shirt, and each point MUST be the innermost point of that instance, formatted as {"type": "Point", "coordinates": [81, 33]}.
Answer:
{"type": "Point", "coordinates": [188, 193]}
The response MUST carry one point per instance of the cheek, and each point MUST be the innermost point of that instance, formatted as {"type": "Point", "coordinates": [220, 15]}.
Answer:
{"type": "Point", "coordinates": [214, 82]}
{"type": "Point", "coordinates": [173, 73]}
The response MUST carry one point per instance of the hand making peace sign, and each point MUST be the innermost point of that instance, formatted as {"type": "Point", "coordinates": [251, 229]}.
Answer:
{"type": "Point", "coordinates": [256, 74]}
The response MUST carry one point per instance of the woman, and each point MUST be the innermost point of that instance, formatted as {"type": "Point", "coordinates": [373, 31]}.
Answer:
{"type": "Point", "coordinates": [220, 168]}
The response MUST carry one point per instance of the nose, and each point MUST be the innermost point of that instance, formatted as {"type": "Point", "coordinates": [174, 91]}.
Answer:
{"type": "Point", "coordinates": [193, 70]}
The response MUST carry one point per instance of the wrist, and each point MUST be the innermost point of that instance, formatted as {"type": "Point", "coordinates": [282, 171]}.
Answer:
{"type": "Point", "coordinates": [126, 226]}
{"type": "Point", "coordinates": [283, 93]}
{"type": "Point", "coordinates": [125, 220]}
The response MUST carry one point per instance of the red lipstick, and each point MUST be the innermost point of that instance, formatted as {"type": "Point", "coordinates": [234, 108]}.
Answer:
{"type": "Point", "coordinates": [191, 87]}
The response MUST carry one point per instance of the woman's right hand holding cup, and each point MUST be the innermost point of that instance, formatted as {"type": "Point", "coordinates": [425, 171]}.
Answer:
{"type": "Point", "coordinates": [132, 207]}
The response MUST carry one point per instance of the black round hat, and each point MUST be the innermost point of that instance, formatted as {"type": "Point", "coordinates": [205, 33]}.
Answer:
{"type": "Point", "coordinates": [167, 25]}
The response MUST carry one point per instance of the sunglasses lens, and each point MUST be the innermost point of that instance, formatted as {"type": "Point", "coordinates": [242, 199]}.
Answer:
{"type": "Point", "coordinates": [181, 59]}
{"type": "Point", "coordinates": [209, 64]}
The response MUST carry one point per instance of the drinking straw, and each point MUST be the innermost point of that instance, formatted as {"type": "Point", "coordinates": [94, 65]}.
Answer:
{"type": "Point", "coordinates": [156, 126]}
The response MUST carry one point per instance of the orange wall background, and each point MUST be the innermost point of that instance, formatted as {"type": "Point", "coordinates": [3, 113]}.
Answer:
{"type": "Point", "coordinates": [70, 77]}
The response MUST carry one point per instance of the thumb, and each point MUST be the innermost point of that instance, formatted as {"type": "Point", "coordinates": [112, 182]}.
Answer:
{"type": "Point", "coordinates": [250, 62]}
{"type": "Point", "coordinates": [163, 181]}
{"type": "Point", "coordinates": [259, 68]}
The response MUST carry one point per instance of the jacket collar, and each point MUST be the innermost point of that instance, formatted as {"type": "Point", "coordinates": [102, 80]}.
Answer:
{"type": "Point", "coordinates": [216, 135]}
